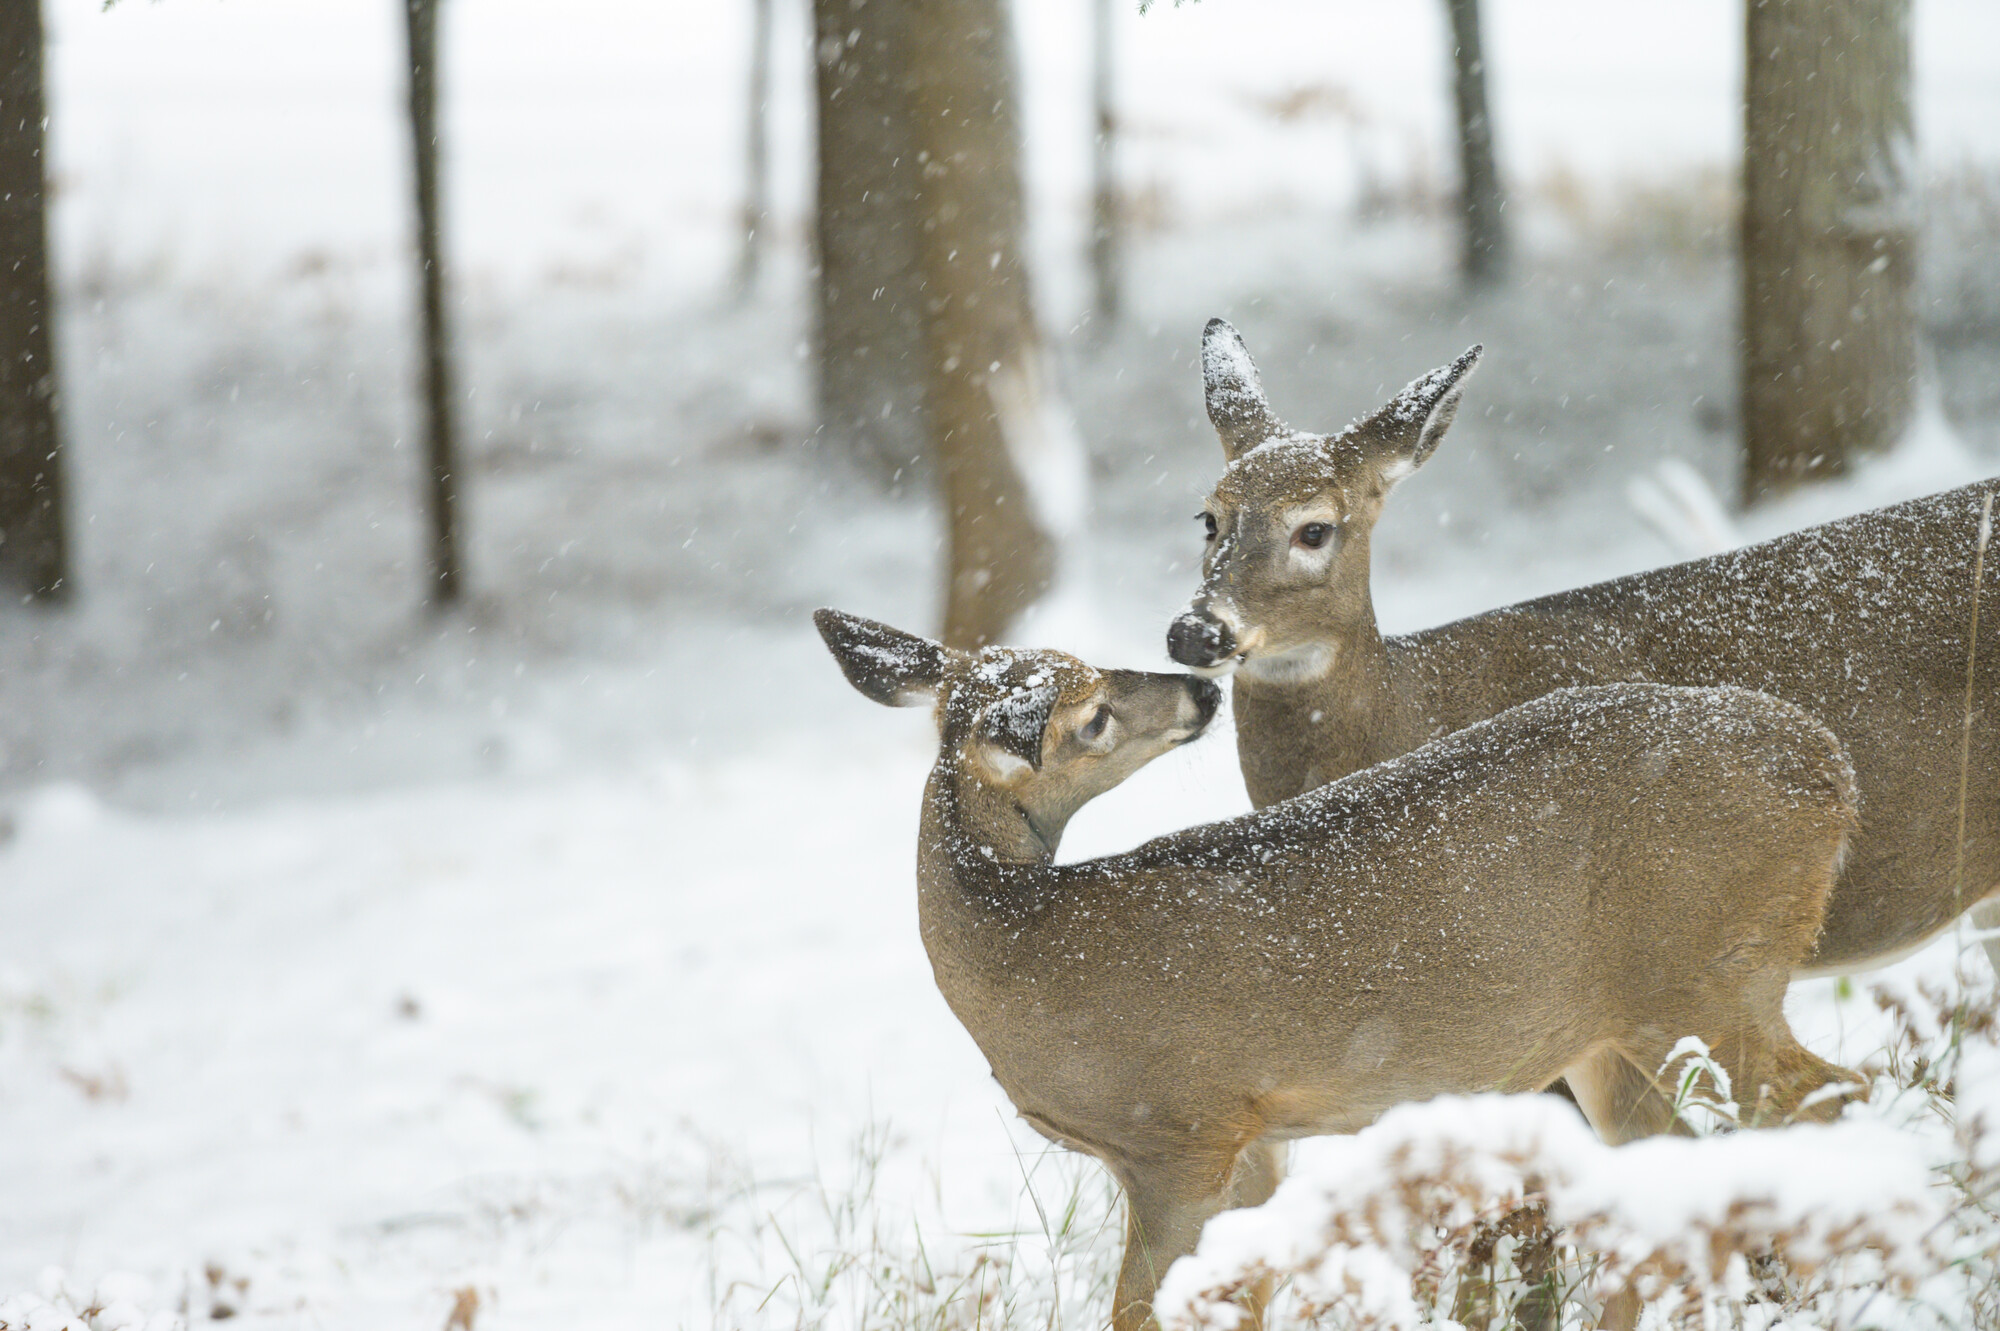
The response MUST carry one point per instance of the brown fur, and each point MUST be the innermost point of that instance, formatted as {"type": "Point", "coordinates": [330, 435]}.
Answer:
{"type": "Point", "coordinates": [1572, 887]}
{"type": "Point", "coordinates": [1863, 622]}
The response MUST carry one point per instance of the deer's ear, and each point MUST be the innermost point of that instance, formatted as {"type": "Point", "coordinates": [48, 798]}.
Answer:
{"type": "Point", "coordinates": [1007, 737]}
{"type": "Point", "coordinates": [1405, 432]}
{"type": "Point", "coordinates": [895, 668]}
{"type": "Point", "coordinates": [1234, 391]}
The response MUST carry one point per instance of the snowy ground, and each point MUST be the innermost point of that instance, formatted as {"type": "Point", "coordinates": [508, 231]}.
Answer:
{"type": "Point", "coordinates": [553, 949]}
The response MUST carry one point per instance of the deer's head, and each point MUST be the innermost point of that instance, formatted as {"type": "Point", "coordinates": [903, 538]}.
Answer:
{"type": "Point", "coordinates": [1038, 727]}
{"type": "Point", "coordinates": [1285, 572]}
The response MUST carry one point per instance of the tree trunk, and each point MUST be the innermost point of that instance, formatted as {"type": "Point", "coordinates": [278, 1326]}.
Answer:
{"type": "Point", "coordinates": [990, 413]}
{"type": "Point", "coordinates": [33, 542]}
{"type": "Point", "coordinates": [1828, 240]}
{"type": "Point", "coordinates": [870, 319]}
{"type": "Point", "coordinates": [757, 153]}
{"type": "Point", "coordinates": [1480, 199]}
{"type": "Point", "coordinates": [440, 400]}
{"type": "Point", "coordinates": [1106, 235]}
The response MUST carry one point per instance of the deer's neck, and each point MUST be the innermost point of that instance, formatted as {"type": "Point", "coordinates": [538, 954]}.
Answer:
{"type": "Point", "coordinates": [980, 848]}
{"type": "Point", "coordinates": [985, 825]}
{"type": "Point", "coordinates": [1296, 734]}
{"type": "Point", "coordinates": [983, 871]}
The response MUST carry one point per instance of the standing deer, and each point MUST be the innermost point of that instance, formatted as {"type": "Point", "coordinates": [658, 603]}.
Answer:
{"type": "Point", "coordinates": [1564, 890]}
{"type": "Point", "coordinates": [1864, 622]}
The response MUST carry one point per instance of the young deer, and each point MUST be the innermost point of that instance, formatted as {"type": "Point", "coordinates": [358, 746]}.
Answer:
{"type": "Point", "coordinates": [1863, 622]}
{"type": "Point", "coordinates": [1565, 890]}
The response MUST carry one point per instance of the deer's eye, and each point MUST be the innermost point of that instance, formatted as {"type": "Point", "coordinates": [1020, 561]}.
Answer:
{"type": "Point", "coordinates": [1094, 728]}
{"type": "Point", "coordinates": [1313, 535]}
{"type": "Point", "coordinates": [1208, 521]}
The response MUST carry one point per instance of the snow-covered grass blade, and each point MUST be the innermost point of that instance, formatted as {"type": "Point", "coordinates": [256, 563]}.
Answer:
{"type": "Point", "coordinates": [837, 1255]}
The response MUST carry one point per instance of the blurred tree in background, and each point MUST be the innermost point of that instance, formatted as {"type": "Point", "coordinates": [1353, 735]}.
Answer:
{"type": "Point", "coordinates": [440, 423]}
{"type": "Point", "coordinates": [1828, 237]}
{"type": "Point", "coordinates": [988, 388]}
{"type": "Point", "coordinates": [33, 543]}
{"type": "Point", "coordinates": [868, 306]}
{"type": "Point", "coordinates": [1106, 210]}
{"type": "Point", "coordinates": [1483, 230]}
{"type": "Point", "coordinates": [756, 151]}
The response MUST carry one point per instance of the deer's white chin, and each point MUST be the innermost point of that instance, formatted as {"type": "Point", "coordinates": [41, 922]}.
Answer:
{"type": "Point", "coordinates": [1220, 670]}
{"type": "Point", "coordinates": [1294, 665]}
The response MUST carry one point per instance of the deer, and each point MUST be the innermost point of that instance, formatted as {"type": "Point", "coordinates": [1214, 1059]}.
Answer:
{"type": "Point", "coordinates": [1865, 622]}
{"type": "Point", "coordinates": [1565, 890]}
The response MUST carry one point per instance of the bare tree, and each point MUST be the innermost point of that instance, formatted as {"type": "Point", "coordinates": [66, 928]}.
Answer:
{"type": "Point", "coordinates": [997, 429]}
{"type": "Point", "coordinates": [1483, 249]}
{"type": "Point", "coordinates": [440, 429]}
{"type": "Point", "coordinates": [1106, 235]}
{"type": "Point", "coordinates": [757, 151]}
{"type": "Point", "coordinates": [1828, 237]}
{"type": "Point", "coordinates": [33, 541]}
{"type": "Point", "coordinates": [869, 306]}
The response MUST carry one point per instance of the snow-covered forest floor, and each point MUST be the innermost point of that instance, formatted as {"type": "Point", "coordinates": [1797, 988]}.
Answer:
{"type": "Point", "coordinates": [563, 949]}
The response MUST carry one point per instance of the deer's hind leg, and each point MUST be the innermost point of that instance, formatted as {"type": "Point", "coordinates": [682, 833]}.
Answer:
{"type": "Point", "coordinates": [1775, 1084]}
{"type": "Point", "coordinates": [1622, 1100]}
{"type": "Point", "coordinates": [1260, 1168]}
{"type": "Point", "coordinates": [1772, 1076]}
{"type": "Point", "coordinates": [1771, 1079]}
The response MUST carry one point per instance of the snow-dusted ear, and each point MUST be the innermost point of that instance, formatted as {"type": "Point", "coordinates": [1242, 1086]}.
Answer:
{"type": "Point", "coordinates": [1235, 392]}
{"type": "Point", "coordinates": [1405, 432]}
{"type": "Point", "coordinates": [895, 668]}
{"type": "Point", "coordinates": [1007, 737]}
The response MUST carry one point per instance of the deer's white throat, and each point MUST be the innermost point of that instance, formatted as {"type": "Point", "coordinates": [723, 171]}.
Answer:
{"type": "Point", "coordinates": [1295, 665]}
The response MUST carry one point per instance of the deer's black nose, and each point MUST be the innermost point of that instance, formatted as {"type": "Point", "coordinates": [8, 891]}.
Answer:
{"type": "Point", "coordinates": [1194, 639]}
{"type": "Point", "coordinates": [1207, 696]}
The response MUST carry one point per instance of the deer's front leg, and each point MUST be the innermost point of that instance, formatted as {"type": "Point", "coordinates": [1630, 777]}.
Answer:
{"type": "Point", "coordinates": [1165, 1208]}
{"type": "Point", "coordinates": [1167, 1203]}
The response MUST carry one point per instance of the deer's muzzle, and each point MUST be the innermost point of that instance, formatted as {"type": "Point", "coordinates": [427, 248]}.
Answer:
{"type": "Point", "coordinates": [1200, 641]}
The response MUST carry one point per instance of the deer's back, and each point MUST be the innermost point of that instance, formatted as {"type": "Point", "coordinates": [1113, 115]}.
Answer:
{"type": "Point", "coordinates": [1863, 622]}
{"type": "Point", "coordinates": [1466, 917]}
